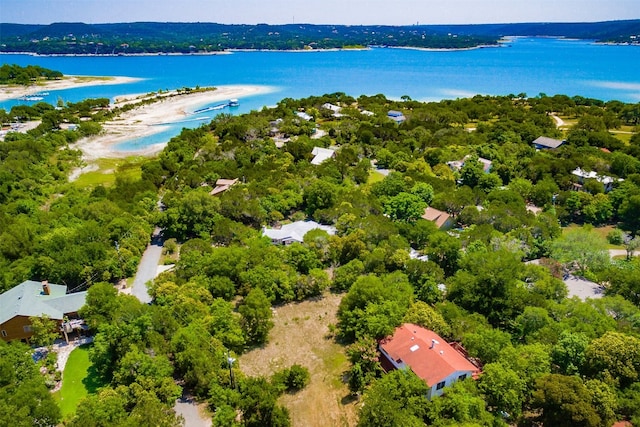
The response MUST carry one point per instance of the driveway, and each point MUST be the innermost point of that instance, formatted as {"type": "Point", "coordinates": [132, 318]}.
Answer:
{"type": "Point", "coordinates": [192, 412]}
{"type": "Point", "coordinates": [148, 267]}
{"type": "Point", "coordinates": [582, 288]}
{"type": "Point", "coordinates": [621, 252]}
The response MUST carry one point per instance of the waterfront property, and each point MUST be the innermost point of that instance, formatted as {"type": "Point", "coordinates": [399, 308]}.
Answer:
{"type": "Point", "coordinates": [428, 355]}
{"type": "Point", "coordinates": [294, 232]}
{"type": "Point", "coordinates": [36, 299]}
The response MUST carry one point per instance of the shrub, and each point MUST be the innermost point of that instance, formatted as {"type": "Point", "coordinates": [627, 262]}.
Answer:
{"type": "Point", "coordinates": [291, 379]}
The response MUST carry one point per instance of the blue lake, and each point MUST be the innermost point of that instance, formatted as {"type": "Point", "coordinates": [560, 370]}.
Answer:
{"type": "Point", "coordinates": [523, 65]}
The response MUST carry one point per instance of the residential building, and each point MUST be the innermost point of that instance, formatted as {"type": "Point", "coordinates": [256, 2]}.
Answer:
{"type": "Point", "coordinates": [428, 355]}
{"type": "Point", "coordinates": [294, 232]}
{"type": "Point", "coordinates": [441, 219]}
{"type": "Point", "coordinates": [583, 175]}
{"type": "Point", "coordinates": [35, 299]}
{"type": "Point", "coordinates": [456, 165]}
{"type": "Point", "coordinates": [223, 185]}
{"type": "Point", "coordinates": [321, 154]}
{"type": "Point", "coordinates": [334, 108]}
{"type": "Point", "coordinates": [304, 116]}
{"type": "Point", "coordinates": [396, 116]}
{"type": "Point", "coordinates": [544, 143]}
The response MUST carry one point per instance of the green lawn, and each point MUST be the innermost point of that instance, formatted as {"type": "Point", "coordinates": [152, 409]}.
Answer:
{"type": "Point", "coordinates": [601, 231]}
{"type": "Point", "coordinates": [78, 381]}
{"type": "Point", "coordinates": [129, 168]}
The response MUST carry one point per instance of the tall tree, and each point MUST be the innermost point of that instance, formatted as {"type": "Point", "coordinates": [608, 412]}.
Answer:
{"type": "Point", "coordinates": [256, 317]}
{"type": "Point", "coordinates": [582, 247]}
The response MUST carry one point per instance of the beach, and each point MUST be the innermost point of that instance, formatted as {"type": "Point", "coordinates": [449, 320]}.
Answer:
{"type": "Point", "coordinates": [67, 82]}
{"type": "Point", "coordinates": [148, 119]}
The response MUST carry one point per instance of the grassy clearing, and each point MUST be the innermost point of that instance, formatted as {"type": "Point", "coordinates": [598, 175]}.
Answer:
{"type": "Point", "coordinates": [78, 381]}
{"type": "Point", "coordinates": [601, 231]}
{"type": "Point", "coordinates": [105, 174]}
{"type": "Point", "coordinates": [374, 176]}
{"type": "Point", "coordinates": [300, 335]}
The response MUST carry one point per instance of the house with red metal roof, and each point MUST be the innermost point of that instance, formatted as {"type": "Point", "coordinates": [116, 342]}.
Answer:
{"type": "Point", "coordinates": [428, 355]}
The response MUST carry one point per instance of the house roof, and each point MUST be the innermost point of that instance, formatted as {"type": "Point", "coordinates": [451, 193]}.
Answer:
{"type": "Point", "coordinates": [428, 355]}
{"type": "Point", "coordinates": [223, 185]}
{"type": "Point", "coordinates": [296, 230]}
{"type": "Point", "coordinates": [436, 216]}
{"type": "Point", "coordinates": [28, 299]}
{"type": "Point", "coordinates": [458, 164]}
{"type": "Point", "coordinates": [321, 154]}
{"type": "Point", "coordinates": [604, 179]}
{"type": "Point", "coordinates": [546, 142]}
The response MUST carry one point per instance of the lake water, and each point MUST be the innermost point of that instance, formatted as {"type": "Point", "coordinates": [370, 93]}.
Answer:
{"type": "Point", "coordinates": [523, 65]}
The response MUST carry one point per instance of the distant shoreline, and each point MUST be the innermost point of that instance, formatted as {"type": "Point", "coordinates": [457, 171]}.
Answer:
{"type": "Point", "coordinates": [8, 92]}
{"type": "Point", "coordinates": [234, 50]}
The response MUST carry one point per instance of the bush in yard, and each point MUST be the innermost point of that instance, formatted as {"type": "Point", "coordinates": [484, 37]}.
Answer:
{"type": "Point", "coordinates": [291, 379]}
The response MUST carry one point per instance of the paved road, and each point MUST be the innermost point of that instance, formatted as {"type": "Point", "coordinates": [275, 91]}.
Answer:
{"type": "Point", "coordinates": [148, 267]}
{"type": "Point", "coordinates": [621, 252]}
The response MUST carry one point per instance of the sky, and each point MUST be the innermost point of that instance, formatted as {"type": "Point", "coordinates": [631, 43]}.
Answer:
{"type": "Point", "coordinates": [347, 12]}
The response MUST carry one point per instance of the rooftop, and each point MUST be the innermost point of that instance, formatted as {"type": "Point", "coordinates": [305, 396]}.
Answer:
{"type": "Point", "coordinates": [546, 142]}
{"type": "Point", "coordinates": [428, 355]}
{"type": "Point", "coordinates": [29, 299]}
{"type": "Point", "coordinates": [434, 215]}
{"type": "Point", "coordinates": [295, 231]}
{"type": "Point", "coordinates": [223, 185]}
{"type": "Point", "coordinates": [321, 154]}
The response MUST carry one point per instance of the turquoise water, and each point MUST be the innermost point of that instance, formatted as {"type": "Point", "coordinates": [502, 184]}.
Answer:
{"type": "Point", "coordinates": [524, 65]}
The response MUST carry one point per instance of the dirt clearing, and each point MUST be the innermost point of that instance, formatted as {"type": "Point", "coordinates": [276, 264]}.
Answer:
{"type": "Point", "coordinates": [300, 335]}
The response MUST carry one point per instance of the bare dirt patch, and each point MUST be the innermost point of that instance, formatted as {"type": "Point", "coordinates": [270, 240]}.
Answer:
{"type": "Point", "coordinates": [301, 335]}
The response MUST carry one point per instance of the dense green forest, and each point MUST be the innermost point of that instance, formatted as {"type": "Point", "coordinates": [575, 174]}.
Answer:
{"type": "Point", "coordinates": [547, 358]}
{"type": "Point", "coordinates": [155, 37]}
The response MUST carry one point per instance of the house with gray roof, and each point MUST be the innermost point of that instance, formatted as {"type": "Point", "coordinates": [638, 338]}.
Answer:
{"type": "Point", "coordinates": [35, 299]}
{"type": "Point", "coordinates": [545, 143]}
{"type": "Point", "coordinates": [294, 232]}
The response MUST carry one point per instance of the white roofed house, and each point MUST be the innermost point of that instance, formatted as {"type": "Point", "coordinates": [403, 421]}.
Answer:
{"type": "Point", "coordinates": [322, 154]}
{"type": "Point", "coordinates": [294, 232]}
{"type": "Point", "coordinates": [304, 116]}
{"type": "Point", "coordinates": [582, 176]}
{"type": "Point", "coordinates": [334, 108]}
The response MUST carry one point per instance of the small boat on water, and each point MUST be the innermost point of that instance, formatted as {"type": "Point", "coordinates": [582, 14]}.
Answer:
{"type": "Point", "coordinates": [31, 98]}
{"type": "Point", "coordinates": [232, 103]}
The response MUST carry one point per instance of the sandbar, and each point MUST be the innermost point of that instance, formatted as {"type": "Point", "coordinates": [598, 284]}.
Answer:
{"type": "Point", "coordinates": [170, 109]}
{"type": "Point", "coordinates": [67, 82]}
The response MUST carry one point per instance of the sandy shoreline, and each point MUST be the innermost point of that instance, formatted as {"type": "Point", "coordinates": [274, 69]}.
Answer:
{"type": "Point", "coordinates": [67, 82]}
{"type": "Point", "coordinates": [154, 118]}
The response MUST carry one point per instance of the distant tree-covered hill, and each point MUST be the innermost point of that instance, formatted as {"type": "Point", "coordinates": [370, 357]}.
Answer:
{"type": "Point", "coordinates": [155, 37]}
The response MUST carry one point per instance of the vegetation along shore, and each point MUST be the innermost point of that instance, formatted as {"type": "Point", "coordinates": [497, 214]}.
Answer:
{"type": "Point", "coordinates": [302, 242]}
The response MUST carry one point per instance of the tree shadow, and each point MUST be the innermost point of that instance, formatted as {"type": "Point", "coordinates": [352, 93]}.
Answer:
{"type": "Point", "coordinates": [93, 381]}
